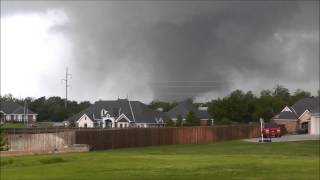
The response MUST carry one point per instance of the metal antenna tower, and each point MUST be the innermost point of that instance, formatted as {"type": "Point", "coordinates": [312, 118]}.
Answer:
{"type": "Point", "coordinates": [67, 85]}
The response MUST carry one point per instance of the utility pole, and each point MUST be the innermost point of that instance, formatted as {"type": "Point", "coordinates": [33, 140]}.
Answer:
{"type": "Point", "coordinates": [67, 85]}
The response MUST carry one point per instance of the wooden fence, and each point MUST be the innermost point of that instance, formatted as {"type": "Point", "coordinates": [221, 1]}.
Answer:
{"type": "Point", "coordinates": [100, 139]}
{"type": "Point", "coordinates": [121, 138]}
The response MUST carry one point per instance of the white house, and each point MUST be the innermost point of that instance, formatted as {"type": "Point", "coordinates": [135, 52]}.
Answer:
{"type": "Point", "coordinates": [120, 113]}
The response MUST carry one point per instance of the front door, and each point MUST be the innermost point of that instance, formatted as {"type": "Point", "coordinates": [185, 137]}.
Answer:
{"type": "Point", "coordinates": [108, 123]}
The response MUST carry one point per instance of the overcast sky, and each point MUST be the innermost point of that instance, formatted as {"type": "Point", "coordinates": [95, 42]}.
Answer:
{"type": "Point", "coordinates": [158, 50]}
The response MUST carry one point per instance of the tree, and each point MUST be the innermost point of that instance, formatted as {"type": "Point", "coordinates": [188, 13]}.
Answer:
{"type": "Point", "coordinates": [299, 94]}
{"type": "Point", "coordinates": [224, 121]}
{"type": "Point", "coordinates": [281, 92]}
{"type": "Point", "coordinates": [3, 141]}
{"type": "Point", "coordinates": [179, 121]}
{"type": "Point", "coordinates": [191, 119]}
{"type": "Point", "coordinates": [72, 124]}
{"type": "Point", "coordinates": [166, 106]}
{"type": "Point", "coordinates": [264, 93]}
{"type": "Point", "coordinates": [169, 122]}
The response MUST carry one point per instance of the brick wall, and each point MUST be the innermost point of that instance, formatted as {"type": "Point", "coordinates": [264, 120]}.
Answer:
{"type": "Point", "coordinates": [290, 124]}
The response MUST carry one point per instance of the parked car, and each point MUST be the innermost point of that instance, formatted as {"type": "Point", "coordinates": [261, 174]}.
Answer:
{"type": "Point", "coordinates": [271, 130]}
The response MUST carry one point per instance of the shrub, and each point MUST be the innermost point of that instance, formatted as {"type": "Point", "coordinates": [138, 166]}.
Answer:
{"type": "Point", "coordinates": [170, 122]}
{"type": "Point", "coordinates": [302, 131]}
{"type": "Point", "coordinates": [3, 140]}
{"type": "Point", "coordinates": [192, 120]}
{"type": "Point", "coordinates": [224, 121]}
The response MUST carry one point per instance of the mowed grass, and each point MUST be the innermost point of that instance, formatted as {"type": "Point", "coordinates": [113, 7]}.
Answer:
{"type": "Point", "coordinates": [14, 125]}
{"type": "Point", "coordinates": [220, 161]}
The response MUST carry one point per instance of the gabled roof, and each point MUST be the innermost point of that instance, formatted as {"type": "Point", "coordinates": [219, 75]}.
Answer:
{"type": "Point", "coordinates": [311, 104]}
{"type": "Point", "coordinates": [138, 112]}
{"type": "Point", "coordinates": [305, 104]}
{"type": "Point", "coordinates": [184, 108]}
{"type": "Point", "coordinates": [287, 115]}
{"type": "Point", "coordinates": [10, 107]}
{"type": "Point", "coordinates": [201, 114]}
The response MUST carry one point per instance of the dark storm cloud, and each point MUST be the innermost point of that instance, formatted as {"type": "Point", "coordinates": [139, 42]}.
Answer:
{"type": "Point", "coordinates": [175, 50]}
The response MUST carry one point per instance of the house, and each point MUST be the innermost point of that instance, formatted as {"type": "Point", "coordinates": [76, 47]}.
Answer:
{"type": "Point", "coordinates": [120, 113]}
{"type": "Point", "coordinates": [13, 112]}
{"type": "Point", "coordinates": [304, 114]}
{"type": "Point", "coordinates": [183, 110]}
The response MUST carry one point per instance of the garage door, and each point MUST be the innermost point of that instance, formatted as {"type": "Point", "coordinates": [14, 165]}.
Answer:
{"type": "Point", "coordinates": [315, 125]}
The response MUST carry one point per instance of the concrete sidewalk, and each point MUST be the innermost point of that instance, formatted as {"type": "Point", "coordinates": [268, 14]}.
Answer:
{"type": "Point", "coordinates": [299, 137]}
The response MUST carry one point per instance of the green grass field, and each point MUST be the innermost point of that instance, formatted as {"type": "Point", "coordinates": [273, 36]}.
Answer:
{"type": "Point", "coordinates": [220, 161]}
{"type": "Point", "coordinates": [24, 125]}
{"type": "Point", "coordinates": [14, 125]}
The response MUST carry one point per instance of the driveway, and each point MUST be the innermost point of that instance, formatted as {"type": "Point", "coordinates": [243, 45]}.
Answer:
{"type": "Point", "coordinates": [299, 137]}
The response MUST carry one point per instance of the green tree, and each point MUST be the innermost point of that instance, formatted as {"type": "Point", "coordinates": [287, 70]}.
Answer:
{"type": "Point", "coordinates": [281, 92]}
{"type": "Point", "coordinates": [266, 92]}
{"type": "Point", "coordinates": [299, 94]}
{"type": "Point", "coordinates": [170, 123]}
{"type": "Point", "coordinates": [166, 106]}
{"type": "Point", "coordinates": [192, 120]}
{"type": "Point", "coordinates": [72, 124]}
{"type": "Point", "coordinates": [224, 121]}
{"type": "Point", "coordinates": [3, 140]}
{"type": "Point", "coordinates": [179, 121]}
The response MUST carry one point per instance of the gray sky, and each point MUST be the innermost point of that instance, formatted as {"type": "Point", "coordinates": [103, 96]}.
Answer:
{"type": "Point", "coordinates": [158, 50]}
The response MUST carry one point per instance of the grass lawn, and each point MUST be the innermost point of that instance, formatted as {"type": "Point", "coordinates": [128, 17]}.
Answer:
{"type": "Point", "coordinates": [220, 161]}
{"type": "Point", "coordinates": [14, 125]}
{"type": "Point", "coordinates": [24, 125]}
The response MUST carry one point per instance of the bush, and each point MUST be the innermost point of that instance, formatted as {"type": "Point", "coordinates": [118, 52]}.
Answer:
{"type": "Point", "coordinates": [302, 131]}
{"type": "Point", "coordinates": [192, 120]}
{"type": "Point", "coordinates": [3, 140]}
{"type": "Point", "coordinates": [169, 122]}
{"type": "Point", "coordinates": [283, 129]}
{"type": "Point", "coordinates": [224, 121]}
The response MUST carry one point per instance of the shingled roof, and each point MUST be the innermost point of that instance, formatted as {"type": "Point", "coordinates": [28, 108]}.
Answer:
{"type": "Point", "coordinates": [311, 104]}
{"type": "Point", "coordinates": [287, 115]}
{"type": "Point", "coordinates": [10, 107]}
{"type": "Point", "coordinates": [141, 113]}
{"type": "Point", "coordinates": [305, 104]}
{"type": "Point", "coordinates": [184, 108]}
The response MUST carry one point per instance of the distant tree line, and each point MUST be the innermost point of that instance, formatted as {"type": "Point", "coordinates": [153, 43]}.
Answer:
{"type": "Point", "coordinates": [238, 106]}
{"type": "Point", "coordinates": [243, 107]}
{"type": "Point", "coordinates": [49, 109]}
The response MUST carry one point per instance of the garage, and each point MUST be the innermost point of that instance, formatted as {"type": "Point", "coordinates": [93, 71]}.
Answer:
{"type": "Point", "coordinates": [315, 124]}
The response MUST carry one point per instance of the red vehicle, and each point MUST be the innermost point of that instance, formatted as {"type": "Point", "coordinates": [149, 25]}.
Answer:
{"type": "Point", "coordinates": [271, 130]}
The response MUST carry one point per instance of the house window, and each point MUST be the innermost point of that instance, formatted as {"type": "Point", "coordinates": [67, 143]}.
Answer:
{"type": "Point", "coordinates": [85, 125]}
{"type": "Point", "coordinates": [120, 125]}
